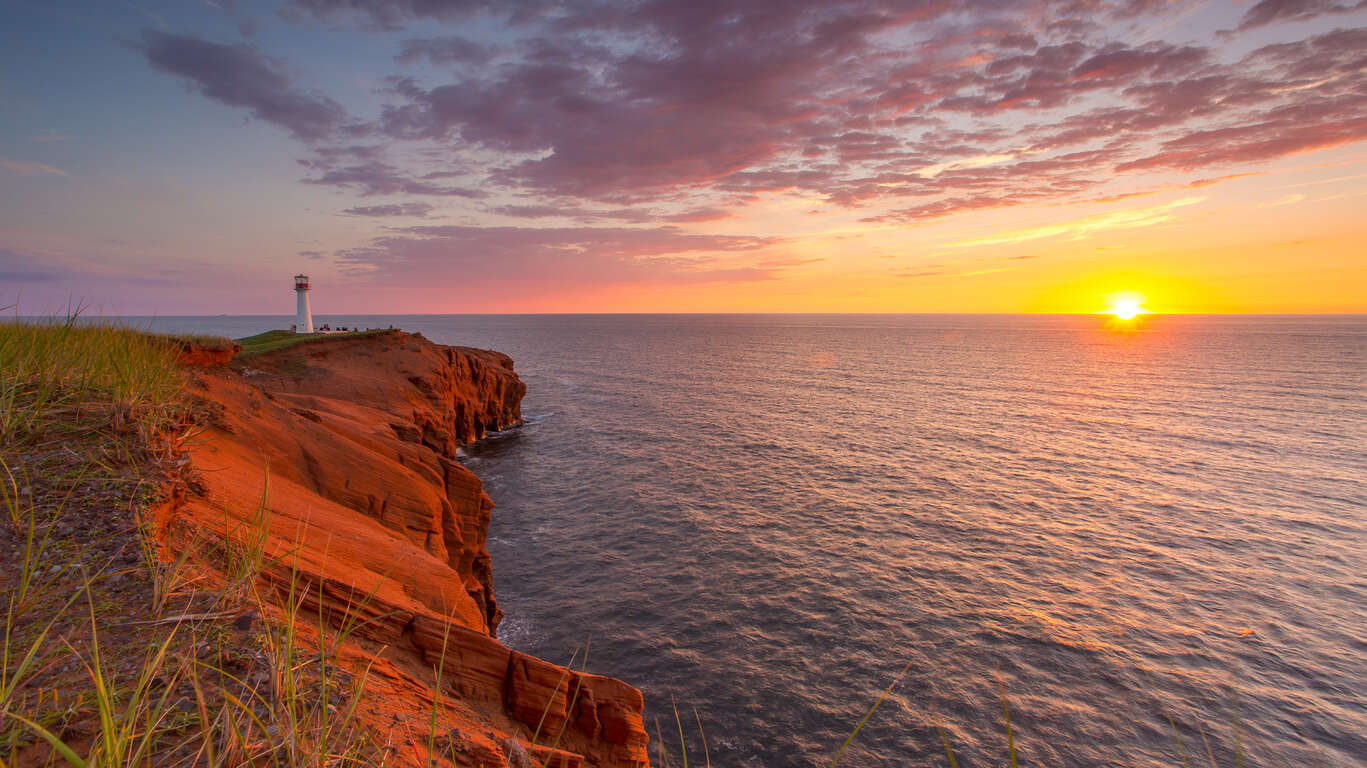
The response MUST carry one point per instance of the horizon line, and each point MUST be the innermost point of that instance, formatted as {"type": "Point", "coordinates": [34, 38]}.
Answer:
{"type": "Point", "coordinates": [1362, 313]}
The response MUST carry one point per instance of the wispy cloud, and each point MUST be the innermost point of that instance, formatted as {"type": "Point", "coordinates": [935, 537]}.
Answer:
{"type": "Point", "coordinates": [418, 210]}
{"type": "Point", "coordinates": [51, 135]}
{"type": "Point", "coordinates": [503, 257]}
{"type": "Point", "coordinates": [937, 270]}
{"type": "Point", "coordinates": [27, 168]}
{"type": "Point", "coordinates": [20, 267]}
{"type": "Point", "coordinates": [1291, 199]}
{"type": "Point", "coordinates": [931, 171]}
{"type": "Point", "coordinates": [1271, 11]}
{"type": "Point", "coordinates": [1080, 228]}
{"type": "Point", "coordinates": [364, 170]}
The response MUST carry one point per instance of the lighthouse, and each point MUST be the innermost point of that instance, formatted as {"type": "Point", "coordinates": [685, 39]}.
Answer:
{"type": "Point", "coordinates": [304, 322]}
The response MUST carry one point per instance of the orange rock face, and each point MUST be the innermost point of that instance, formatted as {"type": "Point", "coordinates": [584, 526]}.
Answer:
{"type": "Point", "coordinates": [351, 443]}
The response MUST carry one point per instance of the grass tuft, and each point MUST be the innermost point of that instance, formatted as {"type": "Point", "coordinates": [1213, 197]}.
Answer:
{"type": "Point", "coordinates": [59, 376]}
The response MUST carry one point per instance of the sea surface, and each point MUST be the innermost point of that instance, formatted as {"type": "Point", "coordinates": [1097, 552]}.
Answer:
{"type": "Point", "coordinates": [764, 519]}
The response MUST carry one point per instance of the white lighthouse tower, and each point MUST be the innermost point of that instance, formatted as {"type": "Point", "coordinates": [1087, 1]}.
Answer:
{"type": "Point", "coordinates": [304, 322]}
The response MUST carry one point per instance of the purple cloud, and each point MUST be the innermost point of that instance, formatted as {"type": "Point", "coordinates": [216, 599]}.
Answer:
{"type": "Point", "coordinates": [1275, 11]}
{"type": "Point", "coordinates": [19, 267]}
{"type": "Point", "coordinates": [391, 13]}
{"type": "Point", "coordinates": [16, 267]}
{"type": "Point", "coordinates": [363, 169]}
{"type": "Point", "coordinates": [444, 51]}
{"type": "Point", "coordinates": [382, 179]}
{"type": "Point", "coordinates": [635, 215]}
{"type": "Point", "coordinates": [695, 215]}
{"type": "Point", "coordinates": [419, 210]}
{"type": "Point", "coordinates": [239, 76]}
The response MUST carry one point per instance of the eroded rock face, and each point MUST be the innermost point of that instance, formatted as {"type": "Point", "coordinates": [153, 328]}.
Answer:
{"type": "Point", "coordinates": [439, 396]}
{"type": "Point", "coordinates": [376, 523]}
{"type": "Point", "coordinates": [202, 354]}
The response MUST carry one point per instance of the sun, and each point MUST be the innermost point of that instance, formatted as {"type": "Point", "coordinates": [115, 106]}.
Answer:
{"type": "Point", "coordinates": [1126, 306]}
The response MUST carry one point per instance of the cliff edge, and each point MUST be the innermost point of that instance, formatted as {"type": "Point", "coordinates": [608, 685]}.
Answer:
{"type": "Point", "coordinates": [335, 460]}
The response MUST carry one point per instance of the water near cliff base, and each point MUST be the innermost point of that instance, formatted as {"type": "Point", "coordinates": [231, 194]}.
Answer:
{"type": "Point", "coordinates": [767, 517]}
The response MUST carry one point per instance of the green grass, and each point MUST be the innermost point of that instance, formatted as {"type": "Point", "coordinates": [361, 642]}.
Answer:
{"type": "Point", "coordinates": [58, 375]}
{"type": "Point", "coordinates": [270, 341]}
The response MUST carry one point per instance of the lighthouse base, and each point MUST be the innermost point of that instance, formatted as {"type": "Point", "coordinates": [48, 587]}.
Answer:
{"type": "Point", "coordinates": [304, 317]}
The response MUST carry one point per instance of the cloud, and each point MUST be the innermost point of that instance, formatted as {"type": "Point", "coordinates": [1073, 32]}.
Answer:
{"type": "Point", "coordinates": [1083, 227]}
{"type": "Point", "coordinates": [419, 210]}
{"type": "Point", "coordinates": [390, 14]}
{"type": "Point", "coordinates": [26, 168]}
{"type": "Point", "coordinates": [383, 179]}
{"type": "Point", "coordinates": [544, 211]}
{"type": "Point", "coordinates": [1289, 131]}
{"type": "Point", "coordinates": [635, 215]}
{"type": "Point", "coordinates": [239, 76]}
{"type": "Point", "coordinates": [972, 162]}
{"type": "Point", "coordinates": [47, 268]}
{"type": "Point", "coordinates": [18, 267]}
{"type": "Point", "coordinates": [50, 135]}
{"type": "Point", "coordinates": [693, 109]}
{"type": "Point", "coordinates": [1274, 11]}
{"type": "Point", "coordinates": [940, 270]}
{"type": "Point", "coordinates": [364, 169]}
{"type": "Point", "coordinates": [512, 257]}
{"type": "Point", "coordinates": [444, 51]}
{"type": "Point", "coordinates": [695, 215]}
{"type": "Point", "coordinates": [1291, 199]}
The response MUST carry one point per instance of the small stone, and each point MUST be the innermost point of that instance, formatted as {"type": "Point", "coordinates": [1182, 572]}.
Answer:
{"type": "Point", "coordinates": [517, 754]}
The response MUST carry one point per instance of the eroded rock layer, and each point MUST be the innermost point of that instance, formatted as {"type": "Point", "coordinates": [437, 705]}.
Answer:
{"type": "Point", "coordinates": [338, 459]}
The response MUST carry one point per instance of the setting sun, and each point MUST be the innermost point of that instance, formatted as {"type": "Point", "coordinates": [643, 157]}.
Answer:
{"type": "Point", "coordinates": [1127, 306]}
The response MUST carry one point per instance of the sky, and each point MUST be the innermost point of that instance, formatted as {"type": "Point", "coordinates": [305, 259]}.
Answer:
{"type": "Point", "coordinates": [471, 156]}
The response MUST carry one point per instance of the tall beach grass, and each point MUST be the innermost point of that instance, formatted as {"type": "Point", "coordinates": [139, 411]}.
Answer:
{"type": "Point", "coordinates": [58, 374]}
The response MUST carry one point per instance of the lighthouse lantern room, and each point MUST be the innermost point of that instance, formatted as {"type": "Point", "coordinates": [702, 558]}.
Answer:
{"type": "Point", "coordinates": [304, 320]}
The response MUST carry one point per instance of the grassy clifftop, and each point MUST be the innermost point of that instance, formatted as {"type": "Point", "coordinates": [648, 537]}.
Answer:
{"type": "Point", "coordinates": [271, 341]}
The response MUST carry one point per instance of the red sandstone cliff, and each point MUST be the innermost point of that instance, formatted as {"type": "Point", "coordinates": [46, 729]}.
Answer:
{"type": "Point", "coordinates": [371, 516]}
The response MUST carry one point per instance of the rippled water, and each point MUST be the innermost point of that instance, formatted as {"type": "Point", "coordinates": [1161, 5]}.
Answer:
{"type": "Point", "coordinates": [767, 517]}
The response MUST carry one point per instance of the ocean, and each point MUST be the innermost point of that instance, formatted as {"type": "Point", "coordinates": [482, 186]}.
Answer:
{"type": "Point", "coordinates": [763, 519]}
